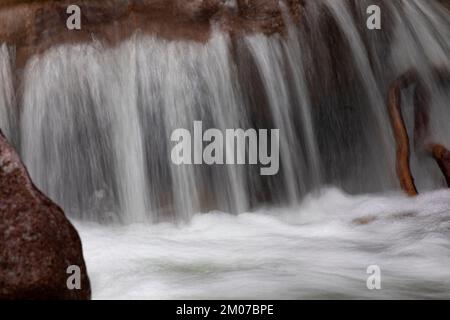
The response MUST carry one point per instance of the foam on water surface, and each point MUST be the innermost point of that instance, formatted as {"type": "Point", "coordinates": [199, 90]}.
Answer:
{"type": "Point", "coordinates": [319, 250]}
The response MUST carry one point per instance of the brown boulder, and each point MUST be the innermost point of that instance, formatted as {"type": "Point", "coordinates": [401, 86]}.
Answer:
{"type": "Point", "coordinates": [37, 241]}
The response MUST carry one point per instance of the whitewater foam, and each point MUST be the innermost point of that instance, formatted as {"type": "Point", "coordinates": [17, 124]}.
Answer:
{"type": "Point", "coordinates": [319, 250]}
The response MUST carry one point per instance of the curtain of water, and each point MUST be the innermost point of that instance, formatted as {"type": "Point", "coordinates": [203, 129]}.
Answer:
{"type": "Point", "coordinates": [379, 138]}
{"type": "Point", "coordinates": [422, 41]}
{"type": "Point", "coordinates": [7, 114]}
{"type": "Point", "coordinates": [95, 122]}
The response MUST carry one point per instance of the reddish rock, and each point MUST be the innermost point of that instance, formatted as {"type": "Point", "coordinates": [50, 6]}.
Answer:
{"type": "Point", "coordinates": [37, 241]}
{"type": "Point", "coordinates": [34, 26]}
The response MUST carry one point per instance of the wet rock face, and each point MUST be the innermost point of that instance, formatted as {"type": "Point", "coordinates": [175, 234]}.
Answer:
{"type": "Point", "coordinates": [34, 26]}
{"type": "Point", "coordinates": [37, 242]}
{"type": "Point", "coordinates": [445, 3]}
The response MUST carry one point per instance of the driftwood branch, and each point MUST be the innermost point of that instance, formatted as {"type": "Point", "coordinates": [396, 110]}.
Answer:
{"type": "Point", "coordinates": [422, 99]}
{"type": "Point", "coordinates": [400, 133]}
{"type": "Point", "coordinates": [442, 157]}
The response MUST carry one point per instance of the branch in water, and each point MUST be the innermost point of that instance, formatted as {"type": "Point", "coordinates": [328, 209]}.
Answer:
{"type": "Point", "coordinates": [421, 114]}
{"type": "Point", "coordinates": [442, 157]}
{"type": "Point", "coordinates": [400, 132]}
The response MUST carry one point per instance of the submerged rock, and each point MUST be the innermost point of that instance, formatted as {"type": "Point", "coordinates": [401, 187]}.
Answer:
{"type": "Point", "coordinates": [37, 241]}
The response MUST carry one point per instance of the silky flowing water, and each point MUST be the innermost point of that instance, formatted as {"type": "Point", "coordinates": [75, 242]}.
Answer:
{"type": "Point", "coordinates": [93, 124]}
{"type": "Point", "coordinates": [314, 251]}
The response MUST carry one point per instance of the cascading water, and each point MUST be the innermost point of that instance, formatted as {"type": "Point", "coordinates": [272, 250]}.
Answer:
{"type": "Point", "coordinates": [167, 86]}
{"type": "Point", "coordinates": [131, 97]}
{"type": "Point", "coordinates": [7, 115]}
{"type": "Point", "coordinates": [380, 140]}
{"type": "Point", "coordinates": [422, 41]}
{"type": "Point", "coordinates": [93, 124]}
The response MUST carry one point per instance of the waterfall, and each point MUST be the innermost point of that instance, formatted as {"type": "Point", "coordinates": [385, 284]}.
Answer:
{"type": "Point", "coordinates": [7, 115]}
{"type": "Point", "coordinates": [93, 122]}
{"type": "Point", "coordinates": [380, 139]}
{"type": "Point", "coordinates": [130, 98]}
{"type": "Point", "coordinates": [422, 41]}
